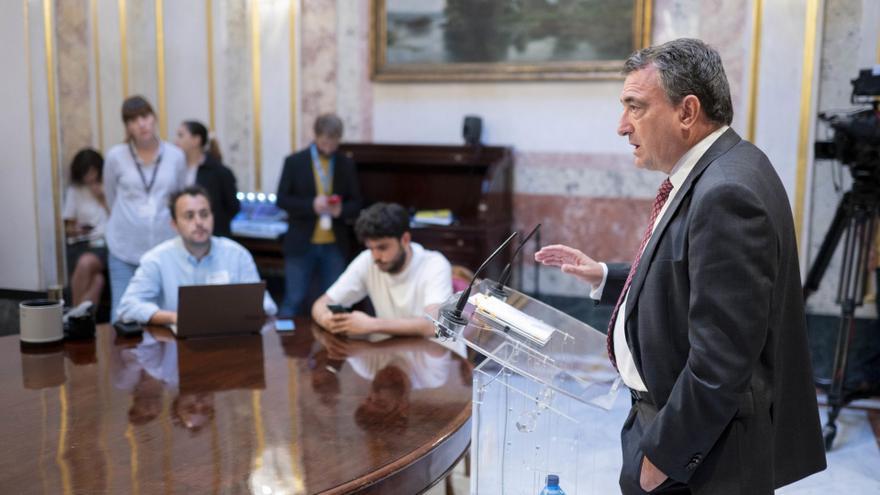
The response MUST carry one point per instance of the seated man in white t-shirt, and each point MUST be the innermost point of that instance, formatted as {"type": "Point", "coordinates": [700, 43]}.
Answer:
{"type": "Point", "coordinates": [402, 279]}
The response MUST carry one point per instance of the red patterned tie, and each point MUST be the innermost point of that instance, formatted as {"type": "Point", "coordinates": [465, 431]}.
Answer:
{"type": "Point", "coordinates": [659, 201]}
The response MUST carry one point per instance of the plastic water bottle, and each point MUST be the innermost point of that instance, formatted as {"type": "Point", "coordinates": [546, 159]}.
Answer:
{"type": "Point", "coordinates": [552, 487]}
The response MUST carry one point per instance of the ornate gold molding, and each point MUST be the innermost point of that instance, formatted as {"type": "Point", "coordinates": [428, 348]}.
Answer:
{"type": "Point", "coordinates": [53, 139]}
{"type": "Point", "coordinates": [27, 52]}
{"type": "Point", "coordinates": [160, 68]}
{"type": "Point", "coordinates": [751, 126]}
{"type": "Point", "coordinates": [803, 149]}
{"type": "Point", "coordinates": [255, 85]}
{"type": "Point", "coordinates": [123, 47]}
{"type": "Point", "coordinates": [293, 88]}
{"type": "Point", "coordinates": [209, 31]}
{"type": "Point", "coordinates": [97, 56]}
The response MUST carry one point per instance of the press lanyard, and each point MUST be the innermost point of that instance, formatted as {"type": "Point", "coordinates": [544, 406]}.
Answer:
{"type": "Point", "coordinates": [323, 178]}
{"type": "Point", "coordinates": [138, 165]}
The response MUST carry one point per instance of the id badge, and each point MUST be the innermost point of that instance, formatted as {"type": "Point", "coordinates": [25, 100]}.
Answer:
{"type": "Point", "coordinates": [326, 222]}
{"type": "Point", "coordinates": [147, 209]}
{"type": "Point", "coordinates": [218, 278]}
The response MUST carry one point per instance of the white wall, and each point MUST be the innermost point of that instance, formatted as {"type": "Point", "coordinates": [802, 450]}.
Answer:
{"type": "Point", "coordinates": [566, 117]}
{"type": "Point", "coordinates": [27, 254]}
{"type": "Point", "coordinates": [186, 64]}
{"type": "Point", "coordinates": [275, 81]}
{"type": "Point", "coordinates": [779, 92]}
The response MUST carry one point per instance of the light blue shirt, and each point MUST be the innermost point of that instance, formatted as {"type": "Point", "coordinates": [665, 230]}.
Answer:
{"type": "Point", "coordinates": [169, 265]}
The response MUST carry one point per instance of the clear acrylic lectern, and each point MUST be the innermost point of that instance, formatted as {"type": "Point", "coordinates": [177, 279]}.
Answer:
{"type": "Point", "coordinates": [539, 398]}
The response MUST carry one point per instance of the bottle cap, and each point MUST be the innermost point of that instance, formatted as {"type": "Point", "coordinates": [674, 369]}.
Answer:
{"type": "Point", "coordinates": [552, 480]}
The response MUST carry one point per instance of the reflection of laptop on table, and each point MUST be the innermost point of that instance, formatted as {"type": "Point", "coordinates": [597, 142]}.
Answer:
{"type": "Point", "coordinates": [227, 363]}
{"type": "Point", "coordinates": [208, 310]}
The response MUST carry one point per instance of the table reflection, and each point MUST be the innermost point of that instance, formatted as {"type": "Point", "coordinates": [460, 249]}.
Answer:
{"type": "Point", "coordinates": [303, 412]}
{"type": "Point", "coordinates": [393, 366]}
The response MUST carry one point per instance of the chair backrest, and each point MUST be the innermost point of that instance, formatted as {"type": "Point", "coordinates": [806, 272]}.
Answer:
{"type": "Point", "coordinates": [461, 277]}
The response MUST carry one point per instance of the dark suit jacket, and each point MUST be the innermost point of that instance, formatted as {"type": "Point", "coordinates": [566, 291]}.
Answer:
{"type": "Point", "coordinates": [296, 192]}
{"type": "Point", "coordinates": [715, 321]}
{"type": "Point", "coordinates": [219, 181]}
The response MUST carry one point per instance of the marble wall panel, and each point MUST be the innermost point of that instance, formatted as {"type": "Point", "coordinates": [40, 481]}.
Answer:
{"type": "Point", "coordinates": [186, 63]}
{"type": "Point", "coordinates": [608, 229]}
{"type": "Point", "coordinates": [74, 84]}
{"type": "Point", "coordinates": [234, 103]}
{"type": "Point", "coordinates": [355, 91]}
{"type": "Point", "coordinates": [584, 175]}
{"type": "Point", "coordinates": [725, 25]}
{"type": "Point", "coordinates": [141, 46]}
{"type": "Point", "coordinates": [275, 114]}
{"type": "Point", "coordinates": [596, 202]}
{"type": "Point", "coordinates": [109, 72]}
{"type": "Point", "coordinates": [318, 63]}
{"type": "Point", "coordinates": [721, 23]}
{"type": "Point", "coordinates": [675, 19]}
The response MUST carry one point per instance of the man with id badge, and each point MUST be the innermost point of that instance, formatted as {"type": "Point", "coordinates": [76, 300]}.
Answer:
{"type": "Point", "coordinates": [319, 191]}
{"type": "Point", "coordinates": [139, 175]}
{"type": "Point", "coordinates": [194, 257]}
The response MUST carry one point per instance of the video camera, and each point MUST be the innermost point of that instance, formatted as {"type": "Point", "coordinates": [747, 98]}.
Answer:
{"type": "Point", "coordinates": [856, 141]}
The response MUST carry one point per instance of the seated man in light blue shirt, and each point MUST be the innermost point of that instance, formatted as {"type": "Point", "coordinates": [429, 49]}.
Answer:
{"type": "Point", "coordinates": [194, 257]}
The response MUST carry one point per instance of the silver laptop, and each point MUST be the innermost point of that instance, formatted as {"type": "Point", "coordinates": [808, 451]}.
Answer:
{"type": "Point", "coordinates": [229, 309]}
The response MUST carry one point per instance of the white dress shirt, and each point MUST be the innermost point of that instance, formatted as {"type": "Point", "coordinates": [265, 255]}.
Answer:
{"type": "Point", "coordinates": [625, 363]}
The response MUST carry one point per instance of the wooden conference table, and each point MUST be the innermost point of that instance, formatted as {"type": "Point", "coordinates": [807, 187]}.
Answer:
{"type": "Point", "coordinates": [301, 412]}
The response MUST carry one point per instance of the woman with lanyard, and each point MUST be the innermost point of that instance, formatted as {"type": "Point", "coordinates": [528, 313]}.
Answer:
{"type": "Point", "coordinates": [139, 174]}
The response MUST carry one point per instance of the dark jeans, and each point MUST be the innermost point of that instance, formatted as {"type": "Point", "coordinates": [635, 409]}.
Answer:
{"type": "Point", "coordinates": [327, 259]}
{"type": "Point", "coordinates": [121, 274]}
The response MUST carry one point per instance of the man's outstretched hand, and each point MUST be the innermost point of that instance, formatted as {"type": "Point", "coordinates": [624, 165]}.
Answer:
{"type": "Point", "coordinates": [572, 262]}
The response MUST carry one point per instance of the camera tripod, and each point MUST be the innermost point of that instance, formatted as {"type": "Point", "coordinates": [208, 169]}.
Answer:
{"type": "Point", "coordinates": [856, 217]}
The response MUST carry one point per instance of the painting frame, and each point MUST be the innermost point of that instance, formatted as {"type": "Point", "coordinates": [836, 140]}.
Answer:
{"type": "Point", "coordinates": [383, 71]}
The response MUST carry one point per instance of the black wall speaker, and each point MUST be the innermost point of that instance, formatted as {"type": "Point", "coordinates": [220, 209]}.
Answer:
{"type": "Point", "coordinates": [473, 128]}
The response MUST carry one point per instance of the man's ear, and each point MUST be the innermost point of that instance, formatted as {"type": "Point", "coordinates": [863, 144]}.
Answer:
{"type": "Point", "coordinates": [689, 111]}
{"type": "Point", "coordinates": [406, 238]}
{"type": "Point", "coordinates": [173, 223]}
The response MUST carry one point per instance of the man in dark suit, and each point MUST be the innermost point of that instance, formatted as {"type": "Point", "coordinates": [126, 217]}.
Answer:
{"type": "Point", "coordinates": [709, 327]}
{"type": "Point", "coordinates": [320, 192]}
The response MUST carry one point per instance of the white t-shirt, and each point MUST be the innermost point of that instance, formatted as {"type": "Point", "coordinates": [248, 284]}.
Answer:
{"type": "Point", "coordinates": [425, 369]}
{"type": "Point", "coordinates": [426, 280]}
{"type": "Point", "coordinates": [82, 206]}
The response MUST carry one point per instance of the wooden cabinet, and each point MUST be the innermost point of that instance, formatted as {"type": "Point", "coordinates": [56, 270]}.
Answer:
{"type": "Point", "coordinates": [474, 182]}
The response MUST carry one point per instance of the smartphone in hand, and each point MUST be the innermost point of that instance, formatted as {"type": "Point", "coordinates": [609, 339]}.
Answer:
{"type": "Point", "coordinates": [338, 309]}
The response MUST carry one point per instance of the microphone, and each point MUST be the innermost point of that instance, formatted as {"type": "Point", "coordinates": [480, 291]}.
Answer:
{"type": "Point", "coordinates": [454, 315]}
{"type": "Point", "coordinates": [498, 289]}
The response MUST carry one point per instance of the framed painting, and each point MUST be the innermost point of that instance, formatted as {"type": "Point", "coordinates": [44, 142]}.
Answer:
{"type": "Point", "coordinates": [473, 40]}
